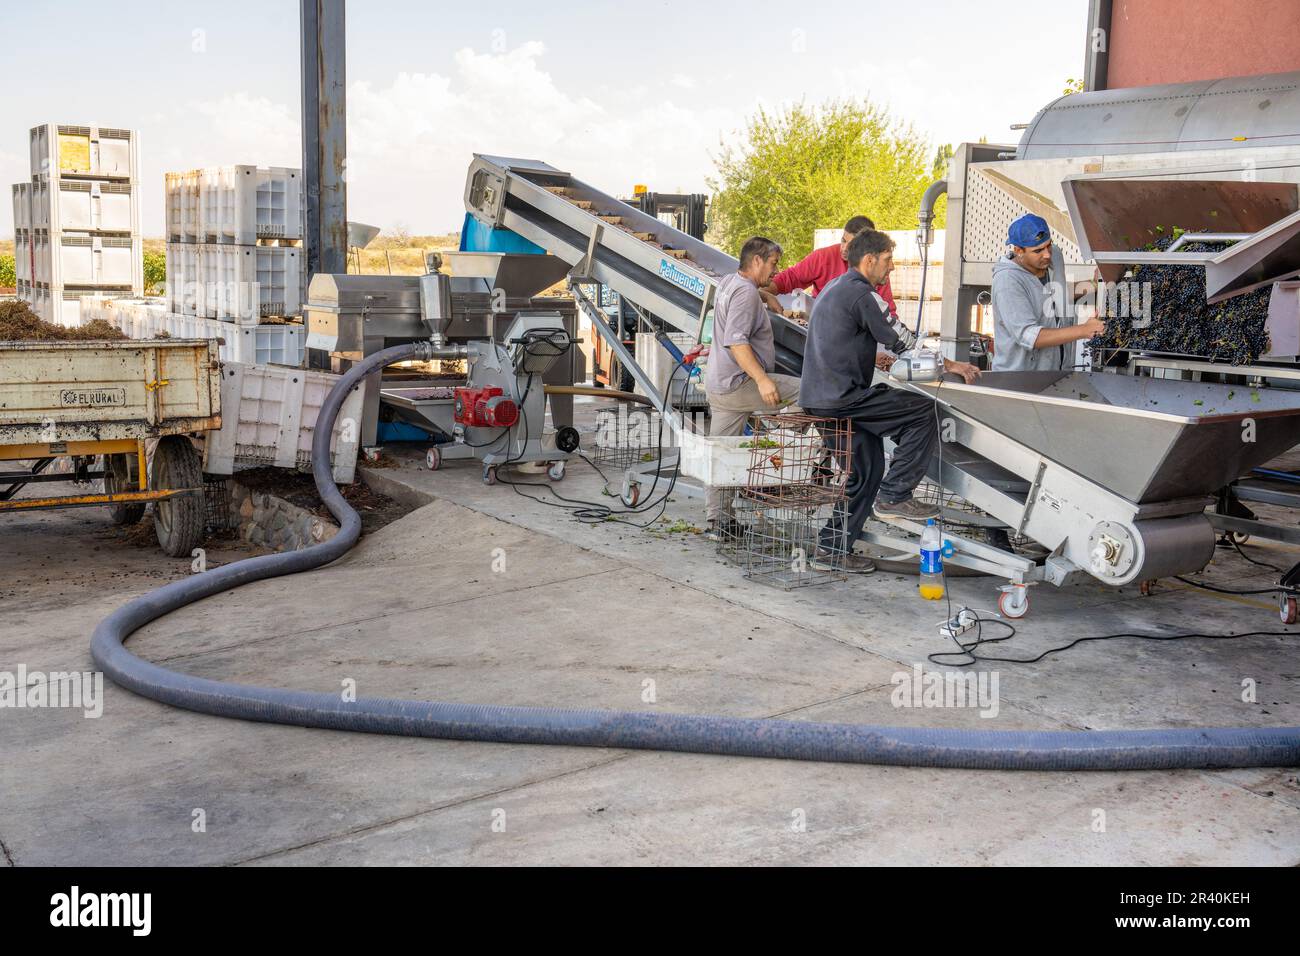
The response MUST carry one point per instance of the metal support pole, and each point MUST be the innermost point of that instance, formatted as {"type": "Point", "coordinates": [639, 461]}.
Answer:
{"type": "Point", "coordinates": [324, 137]}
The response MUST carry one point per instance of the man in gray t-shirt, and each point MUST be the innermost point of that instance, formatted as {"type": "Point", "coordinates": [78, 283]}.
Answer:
{"type": "Point", "coordinates": [738, 379]}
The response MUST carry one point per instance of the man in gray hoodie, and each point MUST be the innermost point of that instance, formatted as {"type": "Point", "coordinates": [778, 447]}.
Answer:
{"type": "Point", "coordinates": [1033, 304]}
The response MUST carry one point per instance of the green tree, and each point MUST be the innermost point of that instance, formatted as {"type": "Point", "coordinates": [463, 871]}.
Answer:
{"type": "Point", "coordinates": [8, 276]}
{"type": "Point", "coordinates": [942, 156]}
{"type": "Point", "coordinates": [155, 272]}
{"type": "Point", "coordinates": [807, 168]}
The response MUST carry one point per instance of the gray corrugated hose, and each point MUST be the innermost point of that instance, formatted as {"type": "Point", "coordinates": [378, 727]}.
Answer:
{"type": "Point", "coordinates": [799, 740]}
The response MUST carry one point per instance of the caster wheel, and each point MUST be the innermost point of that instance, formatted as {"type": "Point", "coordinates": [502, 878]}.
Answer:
{"type": "Point", "coordinates": [556, 471]}
{"type": "Point", "coordinates": [1014, 603]}
{"type": "Point", "coordinates": [1146, 587]}
{"type": "Point", "coordinates": [489, 474]}
{"type": "Point", "coordinates": [433, 459]}
{"type": "Point", "coordinates": [1287, 610]}
{"type": "Point", "coordinates": [631, 493]}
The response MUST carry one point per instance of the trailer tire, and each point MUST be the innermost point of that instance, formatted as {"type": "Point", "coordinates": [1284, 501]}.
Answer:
{"type": "Point", "coordinates": [117, 478]}
{"type": "Point", "coordinates": [178, 522]}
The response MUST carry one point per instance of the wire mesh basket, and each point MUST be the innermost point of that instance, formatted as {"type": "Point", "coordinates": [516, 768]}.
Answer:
{"type": "Point", "coordinates": [216, 505]}
{"type": "Point", "coordinates": [626, 434]}
{"type": "Point", "coordinates": [779, 544]}
{"type": "Point", "coordinates": [798, 460]}
{"type": "Point", "coordinates": [799, 465]}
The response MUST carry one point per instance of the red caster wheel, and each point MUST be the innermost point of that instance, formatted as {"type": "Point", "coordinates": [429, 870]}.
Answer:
{"type": "Point", "coordinates": [631, 493]}
{"type": "Point", "coordinates": [433, 459]}
{"type": "Point", "coordinates": [1145, 588]}
{"type": "Point", "coordinates": [1014, 602]}
{"type": "Point", "coordinates": [1287, 610]}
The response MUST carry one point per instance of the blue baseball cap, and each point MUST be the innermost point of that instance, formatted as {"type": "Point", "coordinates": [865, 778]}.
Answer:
{"type": "Point", "coordinates": [1028, 231]}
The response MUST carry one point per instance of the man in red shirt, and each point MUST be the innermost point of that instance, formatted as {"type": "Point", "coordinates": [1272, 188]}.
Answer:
{"type": "Point", "coordinates": [819, 267]}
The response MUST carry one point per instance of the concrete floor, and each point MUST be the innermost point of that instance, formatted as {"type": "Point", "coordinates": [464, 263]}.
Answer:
{"type": "Point", "coordinates": [584, 615]}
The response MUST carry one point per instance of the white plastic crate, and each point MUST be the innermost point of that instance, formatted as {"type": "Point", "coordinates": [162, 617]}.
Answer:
{"type": "Point", "coordinates": [22, 255]}
{"type": "Point", "coordinates": [931, 315]}
{"type": "Point", "coordinates": [715, 461]}
{"type": "Point", "coordinates": [243, 282]}
{"type": "Point", "coordinates": [266, 344]}
{"type": "Point", "coordinates": [142, 318]}
{"type": "Point", "coordinates": [83, 205]}
{"type": "Point", "coordinates": [81, 260]}
{"type": "Point", "coordinates": [268, 417]}
{"type": "Point", "coordinates": [723, 462]}
{"type": "Point", "coordinates": [241, 204]}
{"type": "Point", "coordinates": [183, 206]}
{"type": "Point", "coordinates": [905, 247]}
{"type": "Point", "coordinates": [56, 306]}
{"type": "Point", "coordinates": [22, 205]}
{"type": "Point", "coordinates": [905, 282]}
{"type": "Point", "coordinates": [99, 152]}
{"type": "Point", "coordinates": [184, 288]}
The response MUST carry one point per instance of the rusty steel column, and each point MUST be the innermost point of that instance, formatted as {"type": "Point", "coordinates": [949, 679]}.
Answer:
{"type": "Point", "coordinates": [324, 137]}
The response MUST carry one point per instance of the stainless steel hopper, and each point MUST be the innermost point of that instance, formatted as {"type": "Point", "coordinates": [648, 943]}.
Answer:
{"type": "Point", "coordinates": [1146, 439]}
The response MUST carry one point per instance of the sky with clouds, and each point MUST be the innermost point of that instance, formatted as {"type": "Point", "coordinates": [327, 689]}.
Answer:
{"type": "Point", "coordinates": [616, 94]}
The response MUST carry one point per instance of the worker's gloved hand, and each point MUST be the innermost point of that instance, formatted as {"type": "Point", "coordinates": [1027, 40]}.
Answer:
{"type": "Point", "coordinates": [885, 361]}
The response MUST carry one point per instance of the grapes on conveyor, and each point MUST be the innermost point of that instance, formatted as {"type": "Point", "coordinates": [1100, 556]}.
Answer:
{"type": "Point", "coordinates": [1182, 322]}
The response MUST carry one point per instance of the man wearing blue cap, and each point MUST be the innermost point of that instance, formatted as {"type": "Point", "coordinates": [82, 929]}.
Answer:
{"type": "Point", "coordinates": [1033, 313]}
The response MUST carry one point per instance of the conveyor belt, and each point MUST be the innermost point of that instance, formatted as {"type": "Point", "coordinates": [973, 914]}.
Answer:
{"type": "Point", "coordinates": [669, 273]}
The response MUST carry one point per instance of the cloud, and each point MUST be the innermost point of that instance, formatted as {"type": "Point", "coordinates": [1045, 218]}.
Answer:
{"type": "Point", "coordinates": [410, 143]}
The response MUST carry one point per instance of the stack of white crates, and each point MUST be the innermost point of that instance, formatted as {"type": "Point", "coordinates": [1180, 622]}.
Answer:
{"type": "Point", "coordinates": [77, 220]}
{"type": "Point", "coordinates": [234, 243]}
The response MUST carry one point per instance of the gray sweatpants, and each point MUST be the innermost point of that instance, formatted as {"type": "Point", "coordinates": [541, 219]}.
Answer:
{"type": "Point", "coordinates": [728, 412]}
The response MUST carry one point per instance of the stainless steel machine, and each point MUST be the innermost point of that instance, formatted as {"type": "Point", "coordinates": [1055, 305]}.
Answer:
{"type": "Point", "coordinates": [1109, 171]}
{"type": "Point", "coordinates": [1110, 474]}
{"type": "Point", "coordinates": [481, 298]}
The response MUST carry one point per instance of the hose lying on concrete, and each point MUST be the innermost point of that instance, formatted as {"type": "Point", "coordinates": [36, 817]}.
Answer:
{"type": "Point", "coordinates": [799, 740]}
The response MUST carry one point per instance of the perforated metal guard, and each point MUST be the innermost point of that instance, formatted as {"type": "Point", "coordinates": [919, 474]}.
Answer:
{"type": "Point", "coordinates": [986, 216]}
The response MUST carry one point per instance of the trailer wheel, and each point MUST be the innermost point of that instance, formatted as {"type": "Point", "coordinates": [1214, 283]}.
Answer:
{"type": "Point", "coordinates": [117, 479]}
{"type": "Point", "coordinates": [178, 521]}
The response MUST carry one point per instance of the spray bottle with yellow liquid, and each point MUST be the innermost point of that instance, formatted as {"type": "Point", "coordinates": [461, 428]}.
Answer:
{"type": "Point", "coordinates": [931, 583]}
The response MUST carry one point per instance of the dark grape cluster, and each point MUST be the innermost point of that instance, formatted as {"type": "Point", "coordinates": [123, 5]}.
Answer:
{"type": "Point", "coordinates": [1183, 323]}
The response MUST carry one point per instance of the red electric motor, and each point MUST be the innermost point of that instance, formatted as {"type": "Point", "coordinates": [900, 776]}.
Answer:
{"type": "Point", "coordinates": [485, 408]}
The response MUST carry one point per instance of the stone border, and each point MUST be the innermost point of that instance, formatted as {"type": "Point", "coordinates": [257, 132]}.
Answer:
{"type": "Point", "coordinates": [269, 522]}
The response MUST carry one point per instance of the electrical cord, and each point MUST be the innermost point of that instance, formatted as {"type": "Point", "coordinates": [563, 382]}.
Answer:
{"type": "Point", "coordinates": [592, 512]}
{"type": "Point", "coordinates": [1219, 590]}
{"type": "Point", "coordinates": [1263, 564]}
{"type": "Point", "coordinates": [967, 649]}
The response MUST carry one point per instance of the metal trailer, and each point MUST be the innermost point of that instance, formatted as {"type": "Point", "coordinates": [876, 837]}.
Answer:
{"type": "Point", "coordinates": [85, 401]}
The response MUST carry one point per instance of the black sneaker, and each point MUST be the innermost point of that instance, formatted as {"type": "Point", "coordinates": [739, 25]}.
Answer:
{"type": "Point", "coordinates": [908, 508]}
{"type": "Point", "coordinates": [851, 563]}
